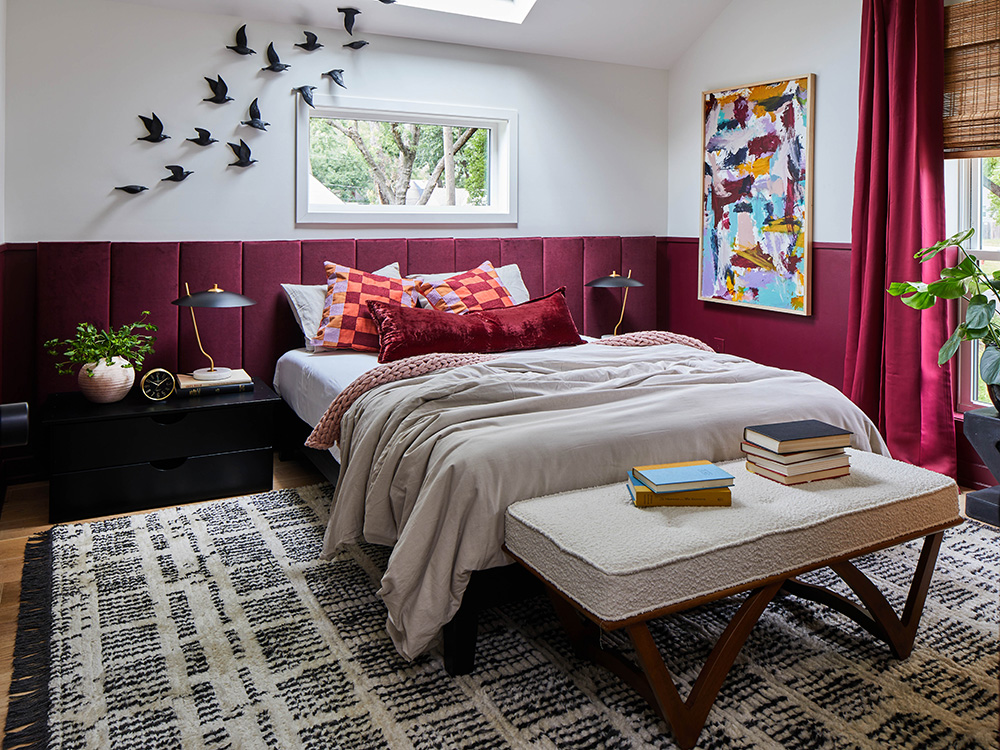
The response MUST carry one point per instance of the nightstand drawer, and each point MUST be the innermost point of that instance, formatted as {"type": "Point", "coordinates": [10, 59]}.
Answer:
{"type": "Point", "coordinates": [100, 492]}
{"type": "Point", "coordinates": [78, 446]}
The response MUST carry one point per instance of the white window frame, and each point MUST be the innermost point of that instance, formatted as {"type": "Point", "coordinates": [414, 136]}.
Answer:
{"type": "Point", "coordinates": [502, 158]}
{"type": "Point", "coordinates": [963, 208]}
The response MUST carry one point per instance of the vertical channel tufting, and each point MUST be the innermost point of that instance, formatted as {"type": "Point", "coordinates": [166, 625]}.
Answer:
{"type": "Point", "coordinates": [527, 252]}
{"type": "Point", "coordinates": [430, 255]}
{"type": "Point", "coordinates": [144, 277]}
{"type": "Point", "coordinates": [601, 305]}
{"type": "Point", "coordinates": [562, 264]}
{"type": "Point", "coordinates": [202, 265]}
{"type": "Point", "coordinates": [639, 255]}
{"type": "Point", "coordinates": [269, 329]}
{"type": "Point", "coordinates": [373, 254]}
{"type": "Point", "coordinates": [74, 281]}
{"type": "Point", "coordinates": [18, 296]}
{"type": "Point", "coordinates": [472, 251]}
{"type": "Point", "coordinates": [317, 252]}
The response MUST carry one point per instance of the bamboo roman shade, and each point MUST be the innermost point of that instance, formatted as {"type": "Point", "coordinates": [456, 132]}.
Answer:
{"type": "Point", "coordinates": [972, 78]}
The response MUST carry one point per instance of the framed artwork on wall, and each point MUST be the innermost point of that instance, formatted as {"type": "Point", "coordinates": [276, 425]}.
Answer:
{"type": "Point", "coordinates": [756, 231]}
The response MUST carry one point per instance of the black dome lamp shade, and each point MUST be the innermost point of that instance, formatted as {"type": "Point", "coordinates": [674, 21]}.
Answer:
{"type": "Point", "coordinates": [614, 280]}
{"type": "Point", "coordinates": [214, 297]}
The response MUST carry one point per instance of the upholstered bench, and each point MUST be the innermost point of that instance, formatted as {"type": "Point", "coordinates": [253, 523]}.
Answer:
{"type": "Point", "coordinates": [609, 565]}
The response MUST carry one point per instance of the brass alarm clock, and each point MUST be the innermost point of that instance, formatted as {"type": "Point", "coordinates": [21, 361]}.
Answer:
{"type": "Point", "coordinates": [157, 384]}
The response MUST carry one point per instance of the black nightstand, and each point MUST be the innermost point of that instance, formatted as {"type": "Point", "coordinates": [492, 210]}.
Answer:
{"type": "Point", "coordinates": [982, 429]}
{"type": "Point", "coordinates": [137, 454]}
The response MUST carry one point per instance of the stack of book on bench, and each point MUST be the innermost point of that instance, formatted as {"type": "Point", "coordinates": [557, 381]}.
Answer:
{"type": "Point", "coordinates": [684, 483]}
{"type": "Point", "coordinates": [797, 452]}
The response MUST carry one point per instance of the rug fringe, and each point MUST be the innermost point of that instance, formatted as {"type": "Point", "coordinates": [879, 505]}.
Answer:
{"type": "Point", "coordinates": [28, 707]}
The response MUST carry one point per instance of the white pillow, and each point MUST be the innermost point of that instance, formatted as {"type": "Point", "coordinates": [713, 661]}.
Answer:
{"type": "Point", "coordinates": [509, 275]}
{"type": "Point", "coordinates": [306, 301]}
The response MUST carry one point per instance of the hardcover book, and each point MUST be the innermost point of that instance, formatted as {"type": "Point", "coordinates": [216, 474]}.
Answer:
{"type": "Point", "coordinates": [801, 435]}
{"type": "Point", "coordinates": [803, 467]}
{"type": "Point", "coordinates": [207, 388]}
{"type": "Point", "coordinates": [788, 458]}
{"type": "Point", "coordinates": [643, 497]}
{"type": "Point", "coordinates": [237, 377]}
{"type": "Point", "coordinates": [812, 476]}
{"type": "Point", "coordinates": [683, 475]}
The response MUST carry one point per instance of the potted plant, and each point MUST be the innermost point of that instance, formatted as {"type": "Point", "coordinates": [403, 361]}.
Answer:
{"type": "Point", "coordinates": [970, 282]}
{"type": "Point", "coordinates": [108, 358]}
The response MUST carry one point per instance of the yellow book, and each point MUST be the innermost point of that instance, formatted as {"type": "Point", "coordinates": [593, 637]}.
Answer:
{"type": "Point", "coordinates": [643, 497]}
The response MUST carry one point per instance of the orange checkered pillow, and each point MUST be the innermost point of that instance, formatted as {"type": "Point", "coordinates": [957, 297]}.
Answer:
{"type": "Point", "coordinates": [346, 322]}
{"type": "Point", "coordinates": [478, 289]}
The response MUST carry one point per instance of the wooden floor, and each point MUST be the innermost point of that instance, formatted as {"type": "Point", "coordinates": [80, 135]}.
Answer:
{"type": "Point", "coordinates": [25, 512]}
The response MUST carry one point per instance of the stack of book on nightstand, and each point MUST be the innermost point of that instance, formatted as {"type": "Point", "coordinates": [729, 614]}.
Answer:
{"type": "Point", "coordinates": [237, 382]}
{"type": "Point", "coordinates": [797, 452]}
{"type": "Point", "coordinates": [684, 483]}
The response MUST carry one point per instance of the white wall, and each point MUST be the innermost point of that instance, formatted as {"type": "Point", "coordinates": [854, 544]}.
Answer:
{"type": "Point", "coordinates": [761, 40]}
{"type": "Point", "coordinates": [592, 140]}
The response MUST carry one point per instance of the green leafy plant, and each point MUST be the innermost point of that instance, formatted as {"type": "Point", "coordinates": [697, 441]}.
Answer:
{"type": "Point", "coordinates": [91, 344]}
{"type": "Point", "coordinates": [967, 281]}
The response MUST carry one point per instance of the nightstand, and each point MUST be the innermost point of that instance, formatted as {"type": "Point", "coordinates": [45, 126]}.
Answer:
{"type": "Point", "coordinates": [137, 454]}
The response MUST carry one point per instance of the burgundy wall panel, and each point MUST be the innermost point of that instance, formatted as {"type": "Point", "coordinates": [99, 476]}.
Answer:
{"type": "Point", "coordinates": [601, 305]}
{"type": "Point", "coordinates": [19, 335]}
{"type": "Point", "coordinates": [269, 328]}
{"type": "Point", "coordinates": [471, 252]}
{"type": "Point", "coordinates": [527, 253]}
{"type": "Point", "coordinates": [639, 257]}
{"type": "Point", "coordinates": [203, 264]}
{"type": "Point", "coordinates": [144, 277]}
{"type": "Point", "coordinates": [562, 265]}
{"type": "Point", "coordinates": [74, 286]}
{"type": "Point", "coordinates": [373, 254]}
{"type": "Point", "coordinates": [317, 252]}
{"type": "Point", "coordinates": [430, 256]}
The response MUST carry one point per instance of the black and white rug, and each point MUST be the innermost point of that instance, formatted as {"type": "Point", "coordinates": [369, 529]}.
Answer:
{"type": "Point", "coordinates": [217, 626]}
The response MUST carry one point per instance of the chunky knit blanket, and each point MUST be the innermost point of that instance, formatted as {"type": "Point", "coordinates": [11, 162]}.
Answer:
{"type": "Point", "coordinates": [327, 431]}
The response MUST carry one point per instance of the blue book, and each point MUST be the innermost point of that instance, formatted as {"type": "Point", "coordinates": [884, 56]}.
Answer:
{"type": "Point", "coordinates": [685, 475]}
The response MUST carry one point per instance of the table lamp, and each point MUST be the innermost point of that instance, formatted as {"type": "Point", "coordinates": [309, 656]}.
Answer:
{"type": "Point", "coordinates": [614, 280]}
{"type": "Point", "coordinates": [213, 297]}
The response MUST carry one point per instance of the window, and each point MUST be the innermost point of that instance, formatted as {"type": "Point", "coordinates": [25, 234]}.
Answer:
{"type": "Point", "coordinates": [976, 185]}
{"type": "Point", "coordinates": [364, 161]}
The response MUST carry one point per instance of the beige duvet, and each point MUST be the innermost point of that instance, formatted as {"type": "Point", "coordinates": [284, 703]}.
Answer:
{"type": "Point", "coordinates": [430, 464]}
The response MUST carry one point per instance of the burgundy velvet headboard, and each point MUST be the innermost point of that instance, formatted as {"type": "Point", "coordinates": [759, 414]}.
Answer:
{"type": "Point", "coordinates": [112, 282]}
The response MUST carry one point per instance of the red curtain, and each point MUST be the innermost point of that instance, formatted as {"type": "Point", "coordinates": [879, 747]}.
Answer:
{"type": "Point", "coordinates": [891, 368]}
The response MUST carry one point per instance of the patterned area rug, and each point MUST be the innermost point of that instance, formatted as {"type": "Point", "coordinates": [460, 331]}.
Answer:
{"type": "Point", "coordinates": [216, 626]}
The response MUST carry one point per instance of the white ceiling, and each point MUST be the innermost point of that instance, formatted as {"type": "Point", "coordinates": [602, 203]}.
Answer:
{"type": "Point", "coordinates": [647, 33]}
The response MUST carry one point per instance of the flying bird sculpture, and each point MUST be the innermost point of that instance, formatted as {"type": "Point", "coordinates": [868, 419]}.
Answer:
{"type": "Point", "coordinates": [337, 74]}
{"type": "Point", "coordinates": [177, 173]}
{"type": "Point", "coordinates": [155, 128]}
{"type": "Point", "coordinates": [255, 120]}
{"type": "Point", "coordinates": [349, 15]}
{"type": "Point", "coordinates": [307, 94]}
{"type": "Point", "coordinates": [204, 137]}
{"type": "Point", "coordinates": [132, 189]}
{"type": "Point", "coordinates": [356, 45]}
{"type": "Point", "coordinates": [276, 66]}
{"type": "Point", "coordinates": [310, 44]}
{"type": "Point", "coordinates": [220, 91]}
{"type": "Point", "coordinates": [240, 47]}
{"type": "Point", "coordinates": [242, 152]}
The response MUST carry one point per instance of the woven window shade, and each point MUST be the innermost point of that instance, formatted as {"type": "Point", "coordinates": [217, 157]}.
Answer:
{"type": "Point", "coordinates": [972, 78]}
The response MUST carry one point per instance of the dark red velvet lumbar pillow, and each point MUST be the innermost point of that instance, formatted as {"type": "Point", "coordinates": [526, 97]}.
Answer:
{"type": "Point", "coordinates": [536, 324]}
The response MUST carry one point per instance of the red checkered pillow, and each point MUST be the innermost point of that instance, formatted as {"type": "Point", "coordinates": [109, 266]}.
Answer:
{"type": "Point", "coordinates": [478, 289]}
{"type": "Point", "coordinates": [346, 322]}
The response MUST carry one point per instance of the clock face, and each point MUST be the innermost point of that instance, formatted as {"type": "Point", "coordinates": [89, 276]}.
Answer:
{"type": "Point", "coordinates": [157, 384]}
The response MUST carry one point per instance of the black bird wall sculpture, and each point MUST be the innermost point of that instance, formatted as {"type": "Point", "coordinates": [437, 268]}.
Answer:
{"type": "Point", "coordinates": [337, 74]}
{"type": "Point", "coordinates": [242, 152]}
{"type": "Point", "coordinates": [177, 173]}
{"type": "Point", "coordinates": [307, 94]}
{"type": "Point", "coordinates": [310, 44]}
{"type": "Point", "coordinates": [240, 47]}
{"type": "Point", "coordinates": [255, 120]}
{"type": "Point", "coordinates": [204, 137]}
{"type": "Point", "coordinates": [155, 128]}
{"type": "Point", "coordinates": [356, 45]}
{"type": "Point", "coordinates": [219, 91]}
{"type": "Point", "coordinates": [349, 14]}
{"type": "Point", "coordinates": [387, 2]}
{"type": "Point", "coordinates": [132, 189]}
{"type": "Point", "coordinates": [276, 66]}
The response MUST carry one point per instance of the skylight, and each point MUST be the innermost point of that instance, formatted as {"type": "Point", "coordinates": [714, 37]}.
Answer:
{"type": "Point", "coordinates": [509, 11]}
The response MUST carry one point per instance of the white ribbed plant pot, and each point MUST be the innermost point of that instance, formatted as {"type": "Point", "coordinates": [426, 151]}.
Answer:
{"type": "Point", "coordinates": [109, 383]}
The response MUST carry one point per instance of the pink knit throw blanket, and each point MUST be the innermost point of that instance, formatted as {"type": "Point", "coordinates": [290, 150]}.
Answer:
{"type": "Point", "coordinates": [327, 431]}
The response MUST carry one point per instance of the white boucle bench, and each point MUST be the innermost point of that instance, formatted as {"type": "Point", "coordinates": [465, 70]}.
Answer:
{"type": "Point", "coordinates": [609, 565]}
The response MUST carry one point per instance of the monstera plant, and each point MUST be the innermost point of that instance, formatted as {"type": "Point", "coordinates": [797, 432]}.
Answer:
{"type": "Point", "coordinates": [967, 281]}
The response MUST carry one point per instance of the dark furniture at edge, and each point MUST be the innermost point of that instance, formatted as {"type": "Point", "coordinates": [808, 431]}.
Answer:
{"type": "Point", "coordinates": [982, 429]}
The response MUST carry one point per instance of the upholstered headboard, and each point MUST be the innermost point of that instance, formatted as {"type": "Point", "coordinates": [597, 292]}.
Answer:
{"type": "Point", "coordinates": [112, 282]}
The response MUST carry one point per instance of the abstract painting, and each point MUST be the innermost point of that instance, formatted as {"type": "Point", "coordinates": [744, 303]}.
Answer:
{"type": "Point", "coordinates": [757, 198]}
